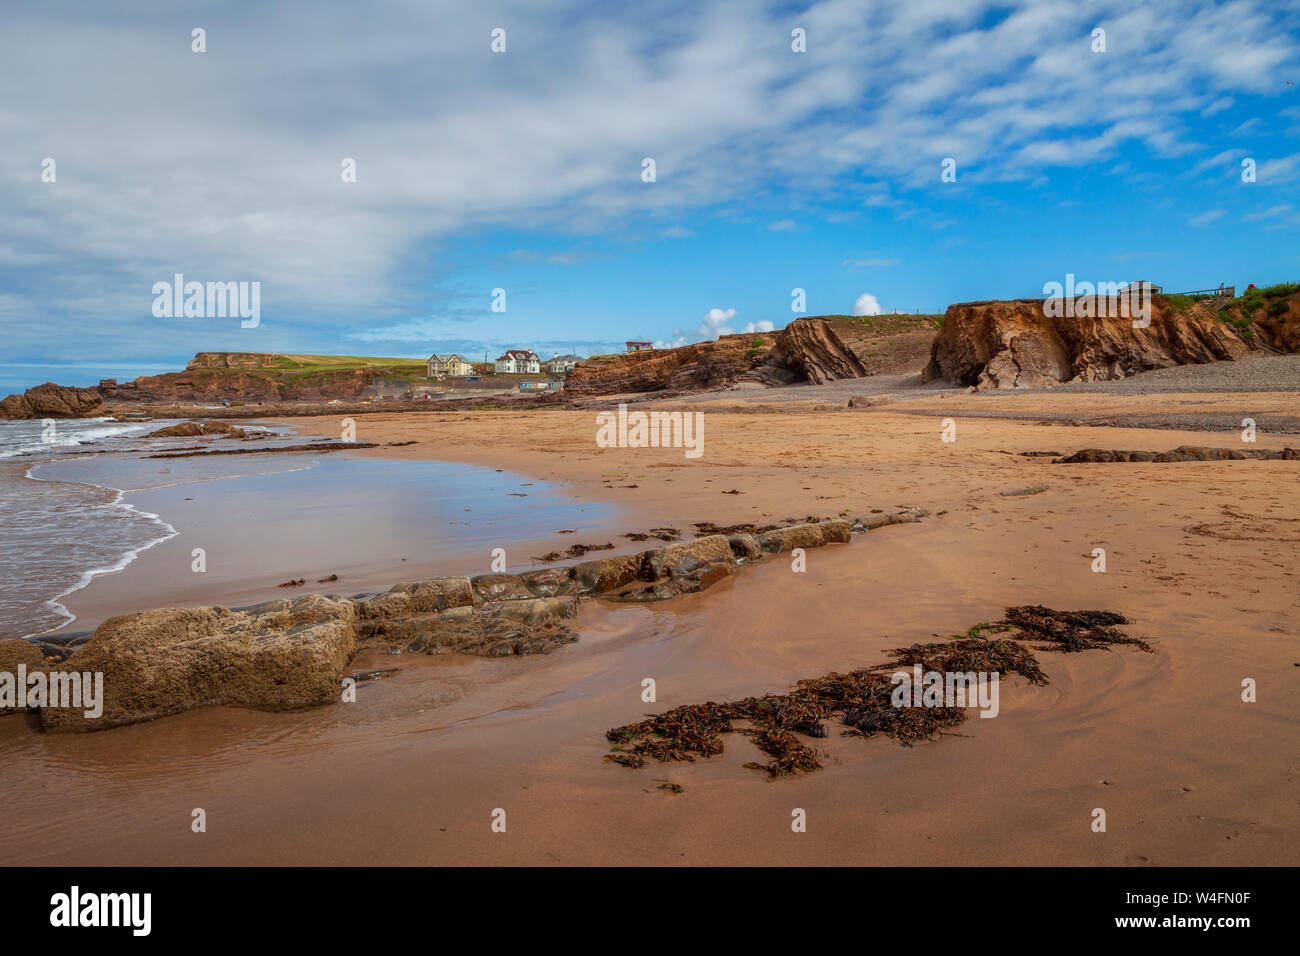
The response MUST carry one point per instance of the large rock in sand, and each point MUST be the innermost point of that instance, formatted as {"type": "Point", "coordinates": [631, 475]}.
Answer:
{"type": "Point", "coordinates": [805, 536]}
{"type": "Point", "coordinates": [606, 574]}
{"type": "Point", "coordinates": [283, 655]}
{"type": "Point", "coordinates": [14, 652]}
{"type": "Point", "coordinates": [198, 429]}
{"type": "Point", "coordinates": [687, 558]}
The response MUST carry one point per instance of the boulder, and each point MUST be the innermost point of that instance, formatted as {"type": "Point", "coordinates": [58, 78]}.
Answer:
{"type": "Point", "coordinates": [197, 429]}
{"type": "Point", "coordinates": [283, 655]}
{"type": "Point", "coordinates": [14, 652]}
{"type": "Point", "coordinates": [745, 548]}
{"type": "Point", "coordinates": [805, 536]}
{"type": "Point", "coordinates": [53, 401]}
{"type": "Point", "coordinates": [548, 582]}
{"type": "Point", "coordinates": [868, 401]}
{"type": "Point", "coordinates": [606, 574]}
{"type": "Point", "coordinates": [494, 629]}
{"type": "Point", "coordinates": [670, 587]}
{"type": "Point", "coordinates": [499, 587]}
{"type": "Point", "coordinates": [686, 558]}
{"type": "Point", "coordinates": [437, 594]}
{"type": "Point", "coordinates": [1181, 453]}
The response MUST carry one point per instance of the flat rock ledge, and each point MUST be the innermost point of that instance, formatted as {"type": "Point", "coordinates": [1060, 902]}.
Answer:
{"type": "Point", "coordinates": [292, 654]}
{"type": "Point", "coordinates": [1181, 453]}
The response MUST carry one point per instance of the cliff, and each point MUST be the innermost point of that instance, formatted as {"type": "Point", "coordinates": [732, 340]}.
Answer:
{"type": "Point", "coordinates": [807, 350]}
{"type": "Point", "coordinates": [1015, 345]}
{"type": "Point", "coordinates": [252, 377]}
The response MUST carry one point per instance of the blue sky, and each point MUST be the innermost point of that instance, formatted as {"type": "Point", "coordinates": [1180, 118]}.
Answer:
{"type": "Point", "coordinates": [522, 170]}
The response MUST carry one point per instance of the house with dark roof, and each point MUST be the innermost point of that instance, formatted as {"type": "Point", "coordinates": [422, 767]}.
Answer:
{"type": "Point", "coordinates": [518, 362]}
{"type": "Point", "coordinates": [559, 364]}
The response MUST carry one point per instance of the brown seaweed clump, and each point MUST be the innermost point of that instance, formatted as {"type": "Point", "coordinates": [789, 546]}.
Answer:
{"type": "Point", "coordinates": [862, 699]}
{"type": "Point", "coordinates": [1070, 630]}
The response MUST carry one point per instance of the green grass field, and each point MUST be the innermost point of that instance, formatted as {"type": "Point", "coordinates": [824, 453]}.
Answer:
{"type": "Point", "coordinates": [336, 363]}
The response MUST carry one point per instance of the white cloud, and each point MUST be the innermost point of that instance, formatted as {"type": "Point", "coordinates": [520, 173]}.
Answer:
{"type": "Point", "coordinates": [782, 225]}
{"type": "Point", "coordinates": [715, 323]}
{"type": "Point", "coordinates": [226, 165]}
{"type": "Point", "coordinates": [1279, 210]}
{"type": "Point", "coordinates": [867, 304]}
{"type": "Point", "coordinates": [1218, 106]}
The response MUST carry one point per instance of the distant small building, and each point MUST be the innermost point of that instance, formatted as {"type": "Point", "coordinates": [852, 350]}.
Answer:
{"type": "Point", "coordinates": [639, 346]}
{"type": "Point", "coordinates": [518, 362]}
{"type": "Point", "coordinates": [1151, 287]}
{"type": "Point", "coordinates": [559, 364]}
{"type": "Point", "coordinates": [454, 366]}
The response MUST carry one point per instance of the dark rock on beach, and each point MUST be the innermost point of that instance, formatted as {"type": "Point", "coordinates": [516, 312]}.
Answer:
{"type": "Point", "coordinates": [1181, 453]}
{"type": "Point", "coordinates": [53, 401]}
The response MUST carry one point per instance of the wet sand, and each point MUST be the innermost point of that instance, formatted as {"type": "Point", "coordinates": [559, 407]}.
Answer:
{"type": "Point", "coordinates": [1202, 557]}
{"type": "Point", "coordinates": [368, 521]}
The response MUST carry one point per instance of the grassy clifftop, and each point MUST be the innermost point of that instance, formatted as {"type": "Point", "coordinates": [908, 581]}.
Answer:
{"type": "Point", "coordinates": [303, 364]}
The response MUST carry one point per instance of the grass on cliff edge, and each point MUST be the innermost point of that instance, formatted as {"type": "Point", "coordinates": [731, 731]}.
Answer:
{"type": "Point", "coordinates": [334, 363]}
{"type": "Point", "coordinates": [1275, 296]}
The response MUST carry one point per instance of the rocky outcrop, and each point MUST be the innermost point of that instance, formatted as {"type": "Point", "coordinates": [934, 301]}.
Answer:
{"type": "Point", "coordinates": [1181, 453]}
{"type": "Point", "coordinates": [202, 385]}
{"type": "Point", "coordinates": [806, 350]}
{"type": "Point", "coordinates": [1269, 317]}
{"type": "Point", "coordinates": [805, 536]}
{"type": "Point", "coordinates": [1016, 345]}
{"type": "Point", "coordinates": [291, 654]}
{"type": "Point", "coordinates": [198, 429]}
{"type": "Point", "coordinates": [283, 655]}
{"type": "Point", "coordinates": [812, 349]}
{"type": "Point", "coordinates": [250, 378]}
{"type": "Point", "coordinates": [53, 401]}
{"type": "Point", "coordinates": [689, 368]}
{"type": "Point", "coordinates": [234, 360]}
{"type": "Point", "coordinates": [16, 654]}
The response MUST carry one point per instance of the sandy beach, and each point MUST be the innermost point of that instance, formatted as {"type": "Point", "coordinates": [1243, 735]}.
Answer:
{"type": "Point", "coordinates": [1201, 556]}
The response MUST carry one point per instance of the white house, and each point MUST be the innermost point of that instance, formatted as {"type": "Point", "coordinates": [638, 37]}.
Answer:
{"type": "Point", "coordinates": [559, 364]}
{"type": "Point", "coordinates": [518, 361]}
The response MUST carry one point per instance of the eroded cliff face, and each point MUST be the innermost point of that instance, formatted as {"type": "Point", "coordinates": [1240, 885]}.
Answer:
{"type": "Point", "coordinates": [811, 348]}
{"type": "Point", "coordinates": [52, 401]}
{"type": "Point", "coordinates": [805, 350]}
{"type": "Point", "coordinates": [233, 360]}
{"type": "Point", "coordinates": [236, 384]}
{"type": "Point", "coordinates": [1015, 345]}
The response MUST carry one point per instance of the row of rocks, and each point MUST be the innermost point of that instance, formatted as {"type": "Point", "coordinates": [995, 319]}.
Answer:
{"type": "Point", "coordinates": [1181, 453]}
{"type": "Point", "coordinates": [291, 654]}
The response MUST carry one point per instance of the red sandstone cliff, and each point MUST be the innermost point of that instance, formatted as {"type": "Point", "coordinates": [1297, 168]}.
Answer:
{"type": "Point", "coordinates": [805, 350]}
{"type": "Point", "coordinates": [1015, 345]}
